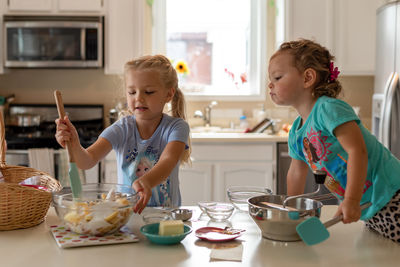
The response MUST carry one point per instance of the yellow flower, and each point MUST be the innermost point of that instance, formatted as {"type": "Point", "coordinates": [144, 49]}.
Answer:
{"type": "Point", "coordinates": [181, 67]}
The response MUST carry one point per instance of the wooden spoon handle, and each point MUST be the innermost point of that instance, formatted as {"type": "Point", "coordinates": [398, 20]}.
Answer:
{"type": "Point", "coordinates": [60, 104]}
{"type": "Point", "coordinates": [278, 206]}
{"type": "Point", "coordinates": [61, 114]}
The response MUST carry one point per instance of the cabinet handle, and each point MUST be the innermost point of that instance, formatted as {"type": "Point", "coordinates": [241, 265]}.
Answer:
{"type": "Point", "coordinates": [284, 154]}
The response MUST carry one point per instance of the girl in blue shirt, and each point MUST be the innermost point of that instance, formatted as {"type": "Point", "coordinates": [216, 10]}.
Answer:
{"type": "Point", "coordinates": [149, 143]}
{"type": "Point", "coordinates": [328, 135]}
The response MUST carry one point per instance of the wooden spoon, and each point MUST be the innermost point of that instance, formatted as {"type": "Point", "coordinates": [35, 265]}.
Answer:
{"type": "Point", "coordinates": [278, 206]}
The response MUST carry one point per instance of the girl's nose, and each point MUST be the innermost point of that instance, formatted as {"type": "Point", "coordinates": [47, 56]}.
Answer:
{"type": "Point", "coordinates": [270, 85]}
{"type": "Point", "coordinates": [139, 96]}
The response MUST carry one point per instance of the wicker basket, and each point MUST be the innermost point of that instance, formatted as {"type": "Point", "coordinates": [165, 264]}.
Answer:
{"type": "Point", "coordinates": [22, 206]}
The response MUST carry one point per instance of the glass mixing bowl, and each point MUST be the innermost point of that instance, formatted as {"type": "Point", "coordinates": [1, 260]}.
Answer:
{"type": "Point", "coordinates": [238, 195]}
{"type": "Point", "coordinates": [102, 208]}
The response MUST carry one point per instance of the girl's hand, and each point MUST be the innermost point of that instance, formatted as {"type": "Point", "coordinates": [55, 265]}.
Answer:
{"type": "Point", "coordinates": [144, 191]}
{"type": "Point", "coordinates": [350, 209]}
{"type": "Point", "coordinates": [66, 132]}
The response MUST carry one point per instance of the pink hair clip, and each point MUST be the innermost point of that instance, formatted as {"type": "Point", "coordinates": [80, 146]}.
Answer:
{"type": "Point", "coordinates": [334, 72]}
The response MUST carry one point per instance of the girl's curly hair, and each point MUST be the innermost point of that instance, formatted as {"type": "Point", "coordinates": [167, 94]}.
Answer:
{"type": "Point", "coordinates": [309, 54]}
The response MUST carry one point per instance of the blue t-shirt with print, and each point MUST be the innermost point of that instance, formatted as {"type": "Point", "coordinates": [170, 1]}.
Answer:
{"type": "Point", "coordinates": [136, 156]}
{"type": "Point", "coordinates": [315, 143]}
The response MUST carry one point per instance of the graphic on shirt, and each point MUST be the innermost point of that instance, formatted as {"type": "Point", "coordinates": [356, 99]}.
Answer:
{"type": "Point", "coordinates": [139, 164]}
{"type": "Point", "coordinates": [310, 153]}
{"type": "Point", "coordinates": [316, 149]}
{"type": "Point", "coordinates": [319, 143]}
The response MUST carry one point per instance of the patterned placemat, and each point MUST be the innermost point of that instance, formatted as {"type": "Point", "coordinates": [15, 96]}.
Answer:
{"type": "Point", "coordinates": [67, 239]}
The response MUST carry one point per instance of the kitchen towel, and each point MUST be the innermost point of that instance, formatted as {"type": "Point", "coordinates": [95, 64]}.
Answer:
{"type": "Point", "coordinates": [42, 159]}
{"type": "Point", "coordinates": [63, 169]}
{"type": "Point", "coordinates": [227, 253]}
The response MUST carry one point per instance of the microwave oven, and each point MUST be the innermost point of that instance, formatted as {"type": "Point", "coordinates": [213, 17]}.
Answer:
{"type": "Point", "coordinates": [53, 41]}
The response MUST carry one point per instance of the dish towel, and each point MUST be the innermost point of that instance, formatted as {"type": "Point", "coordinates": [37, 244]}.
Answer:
{"type": "Point", "coordinates": [227, 254]}
{"type": "Point", "coordinates": [42, 159]}
{"type": "Point", "coordinates": [63, 169]}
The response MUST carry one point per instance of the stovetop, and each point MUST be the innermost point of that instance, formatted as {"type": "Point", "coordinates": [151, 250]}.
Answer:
{"type": "Point", "coordinates": [87, 119]}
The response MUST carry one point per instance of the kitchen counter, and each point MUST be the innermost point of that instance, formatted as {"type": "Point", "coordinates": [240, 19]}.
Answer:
{"type": "Point", "coordinates": [348, 245]}
{"type": "Point", "coordinates": [213, 137]}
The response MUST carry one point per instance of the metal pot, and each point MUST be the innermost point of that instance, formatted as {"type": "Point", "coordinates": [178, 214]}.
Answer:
{"type": "Point", "coordinates": [25, 120]}
{"type": "Point", "coordinates": [280, 224]}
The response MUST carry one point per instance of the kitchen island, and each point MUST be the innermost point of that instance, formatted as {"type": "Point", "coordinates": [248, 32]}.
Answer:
{"type": "Point", "coordinates": [348, 245]}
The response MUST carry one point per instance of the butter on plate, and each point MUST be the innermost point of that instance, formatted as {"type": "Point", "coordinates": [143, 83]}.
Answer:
{"type": "Point", "coordinates": [173, 227]}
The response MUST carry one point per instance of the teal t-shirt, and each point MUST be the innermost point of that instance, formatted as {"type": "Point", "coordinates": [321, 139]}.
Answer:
{"type": "Point", "coordinates": [315, 143]}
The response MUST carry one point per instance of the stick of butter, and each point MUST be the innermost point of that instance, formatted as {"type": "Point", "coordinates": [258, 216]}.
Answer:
{"type": "Point", "coordinates": [171, 227]}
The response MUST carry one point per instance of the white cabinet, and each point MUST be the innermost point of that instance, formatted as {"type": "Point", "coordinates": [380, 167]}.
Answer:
{"type": "Point", "coordinates": [346, 27]}
{"type": "Point", "coordinates": [216, 167]}
{"type": "Point", "coordinates": [80, 6]}
{"type": "Point", "coordinates": [355, 34]}
{"type": "Point", "coordinates": [124, 33]}
{"type": "Point", "coordinates": [30, 5]}
{"type": "Point", "coordinates": [109, 171]}
{"type": "Point", "coordinates": [244, 174]}
{"type": "Point", "coordinates": [219, 166]}
{"type": "Point", "coordinates": [310, 19]}
{"type": "Point", "coordinates": [54, 6]}
{"type": "Point", "coordinates": [195, 183]}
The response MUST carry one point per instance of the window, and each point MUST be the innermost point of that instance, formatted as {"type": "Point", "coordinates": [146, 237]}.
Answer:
{"type": "Point", "coordinates": [222, 43]}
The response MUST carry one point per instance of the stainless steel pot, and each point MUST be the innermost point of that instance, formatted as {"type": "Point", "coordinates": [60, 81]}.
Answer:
{"type": "Point", "coordinates": [280, 224]}
{"type": "Point", "coordinates": [25, 120]}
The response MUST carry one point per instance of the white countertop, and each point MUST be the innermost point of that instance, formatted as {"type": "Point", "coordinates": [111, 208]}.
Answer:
{"type": "Point", "coordinates": [348, 245]}
{"type": "Point", "coordinates": [236, 137]}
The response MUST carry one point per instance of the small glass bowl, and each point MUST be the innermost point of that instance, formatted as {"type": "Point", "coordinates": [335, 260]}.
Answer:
{"type": "Point", "coordinates": [155, 217]}
{"type": "Point", "coordinates": [203, 204]}
{"type": "Point", "coordinates": [220, 211]}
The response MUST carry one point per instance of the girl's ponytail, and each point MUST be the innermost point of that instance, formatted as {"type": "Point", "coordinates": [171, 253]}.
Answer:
{"type": "Point", "coordinates": [178, 111]}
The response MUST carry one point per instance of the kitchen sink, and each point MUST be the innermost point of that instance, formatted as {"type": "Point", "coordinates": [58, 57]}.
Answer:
{"type": "Point", "coordinates": [214, 129]}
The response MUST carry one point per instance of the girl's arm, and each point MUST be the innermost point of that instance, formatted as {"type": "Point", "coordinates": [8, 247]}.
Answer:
{"type": "Point", "coordinates": [296, 177]}
{"type": "Point", "coordinates": [84, 158]}
{"type": "Point", "coordinates": [160, 171]}
{"type": "Point", "coordinates": [351, 139]}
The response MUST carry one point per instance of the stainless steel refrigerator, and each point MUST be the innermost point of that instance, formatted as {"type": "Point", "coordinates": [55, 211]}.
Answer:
{"type": "Point", "coordinates": [386, 99]}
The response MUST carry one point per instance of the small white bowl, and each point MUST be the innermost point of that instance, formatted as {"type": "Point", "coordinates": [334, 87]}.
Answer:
{"type": "Point", "coordinates": [220, 211]}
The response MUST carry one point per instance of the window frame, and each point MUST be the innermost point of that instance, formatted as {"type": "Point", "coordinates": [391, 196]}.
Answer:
{"type": "Point", "coordinates": [258, 51]}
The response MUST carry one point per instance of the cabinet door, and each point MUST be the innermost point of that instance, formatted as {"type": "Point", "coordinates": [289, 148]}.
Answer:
{"type": "Point", "coordinates": [124, 33]}
{"type": "Point", "coordinates": [79, 5]}
{"type": "Point", "coordinates": [310, 19]}
{"type": "Point", "coordinates": [354, 31]}
{"type": "Point", "coordinates": [110, 174]}
{"type": "Point", "coordinates": [240, 174]}
{"type": "Point", "coordinates": [195, 183]}
{"type": "Point", "coordinates": [30, 5]}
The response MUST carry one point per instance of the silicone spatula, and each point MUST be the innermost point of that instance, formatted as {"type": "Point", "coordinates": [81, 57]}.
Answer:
{"type": "Point", "coordinates": [74, 179]}
{"type": "Point", "coordinates": [312, 231]}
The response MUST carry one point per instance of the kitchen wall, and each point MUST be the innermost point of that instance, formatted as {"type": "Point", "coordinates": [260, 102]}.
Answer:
{"type": "Point", "coordinates": [94, 87]}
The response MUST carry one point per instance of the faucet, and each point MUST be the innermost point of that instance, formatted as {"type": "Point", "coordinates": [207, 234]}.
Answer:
{"type": "Point", "coordinates": [207, 113]}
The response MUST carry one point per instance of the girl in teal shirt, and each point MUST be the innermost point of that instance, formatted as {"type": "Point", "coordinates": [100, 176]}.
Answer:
{"type": "Point", "coordinates": [329, 136]}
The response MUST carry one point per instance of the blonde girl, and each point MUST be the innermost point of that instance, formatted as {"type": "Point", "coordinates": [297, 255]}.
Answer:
{"type": "Point", "coordinates": [145, 132]}
{"type": "Point", "coordinates": [360, 169]}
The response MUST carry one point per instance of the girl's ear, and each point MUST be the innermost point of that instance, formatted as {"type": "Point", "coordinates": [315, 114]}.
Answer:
{"type": "Point", "coordinates": [310, 77]}
{"type": "Point", "coordinates": [170, 94]}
